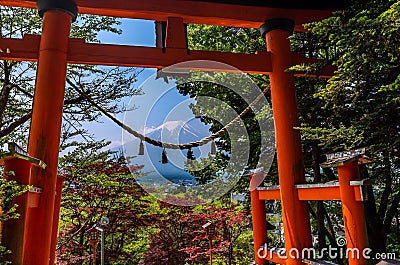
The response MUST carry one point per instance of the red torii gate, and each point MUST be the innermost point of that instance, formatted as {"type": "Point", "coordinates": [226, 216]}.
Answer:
{"type": "Point", "coordinates": [35, 239]}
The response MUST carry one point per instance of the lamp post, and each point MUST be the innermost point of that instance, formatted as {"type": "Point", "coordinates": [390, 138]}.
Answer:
{"type": "Point", "coordinates": [103, 221]}
{"type": "Point", "coordinates": [210, 229]}
{"type": "Point", "coordinates": [101, 244]}
{"type": "Point", "coordinates": [94, 239]}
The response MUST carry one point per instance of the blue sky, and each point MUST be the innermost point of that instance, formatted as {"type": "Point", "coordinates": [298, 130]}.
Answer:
{"type": "Point", "coordinates": [160, 105]}
{"type": "Point", "coordinates": [166, 116]}
{"type": "Point", "coordinates": [134, 32]}
{"type": "Point", "coordinates": [140, 33]}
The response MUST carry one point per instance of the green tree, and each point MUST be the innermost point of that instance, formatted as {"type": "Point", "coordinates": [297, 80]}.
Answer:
{"type": "Point", "coordinates": [357, 107]}
{"type": "Point", "coordinates": [241, 40]}
{"type": "Point", "coordinates": [100, 184]}
{"type": "Point", "coordinates": [180, 238]}
{"type": "Point", "coordinates": [8, 191]}
{"type": "Point", "coordinates": [105, 85]}
{"type": "Point", "coordinates": [363, 101]}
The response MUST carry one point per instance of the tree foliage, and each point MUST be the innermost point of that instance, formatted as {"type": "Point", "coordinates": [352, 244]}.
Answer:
{"type": "Point", "coordinates": [357, 107]}
{"type": "Point", "coordinates": [180, 236]}
{"type": "Point", "coordinates": [8, 191]}
{"type": "Point", "coordinates": [241, 40]}
{"type": "Point", "coordinates": [362, 101]}
{"type": "Point", "coordinates": [106, 85]}
{"type": "Point", "coordinates": [141, 229]}
{"type": "Point", "coordinates": [101, 185]}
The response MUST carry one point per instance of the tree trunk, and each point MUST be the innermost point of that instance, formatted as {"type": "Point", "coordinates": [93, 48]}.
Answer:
{"type": "Point", "coordinates": [320, 204]}
{"type": "Point", "coordinates": [373, 222]}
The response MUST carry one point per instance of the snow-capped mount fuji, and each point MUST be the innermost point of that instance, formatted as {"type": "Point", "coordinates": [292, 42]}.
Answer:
{"type": "Point", "coordinates": [176, 131]}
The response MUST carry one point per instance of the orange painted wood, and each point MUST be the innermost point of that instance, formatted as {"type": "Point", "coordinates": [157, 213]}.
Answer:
{"type": "Point", "coordinates": [295, 215]}
{"type": "Point", "coordinates": [156, 58]}
{"type": "Point", "coordinates": [258, 217]}
{"type": "Point", "coordinates": [319, 193]}
{"type": "Point", "coordinates": [25, 49]}
{"type": "Point", "coordinates": [33, 199]}
{"type": "Point", "coordinates": [272, 254]}
{"type": "Point", "coordinates": [79, 52]}
{"type": "Point", "coordinates": [312, 193]}
{"type": "Point", "coordinates": [44, 135]}
{"type": "Point", "coordinates": [56, 217]}
{"type": "Point", "coordinates": [14, 229]}
{"type": "Point", "coordinates": [274, 257]}
{"type": "Point", "coordinates": [353, 213]}
{"type": "Point", "coordinates": [176, 33]}
{"type": "Point", "coordinates": [358, 193]}
{"type": "Point", "coordinates": [192, 12]}
{"type": "Point", "coordinates": [269, 195]}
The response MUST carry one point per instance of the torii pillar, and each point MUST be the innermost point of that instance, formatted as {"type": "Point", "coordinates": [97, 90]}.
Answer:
{"type": "Point", "coordinates": [295, 215]}
{"type": "Point", "coordinates": [44, 135]}
{"type": "Point", "coordinates": [353, 214]}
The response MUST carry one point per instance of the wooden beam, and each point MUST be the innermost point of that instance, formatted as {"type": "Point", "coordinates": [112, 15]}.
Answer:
{"type": "Point", "coordinates": [313, 192]}
{"type": "Point", "coordinates": [318, 192]}
{"type": "Point", "coordinates": [26, 49]}
{"type": "Point", "coordinates": [149, 57]}
{"type": "Point", "coordinates": [79, 52]}
{"type": "Point", "coordinates": [192, 12]}
{"type": "Point", "coordinates": [271, 193]}
{"type": "Point", "coordinates": [328, 191]}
